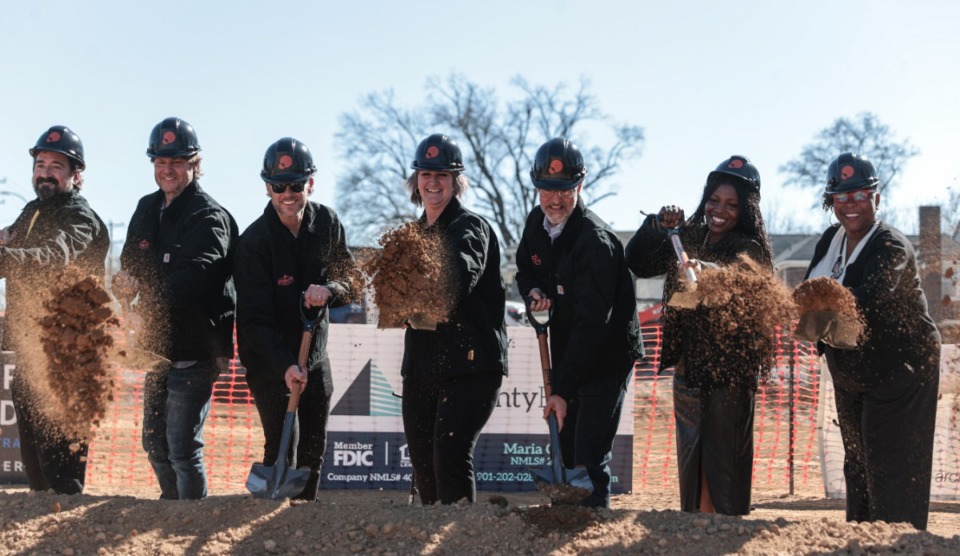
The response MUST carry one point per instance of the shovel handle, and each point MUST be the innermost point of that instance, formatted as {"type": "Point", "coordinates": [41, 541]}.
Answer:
{"type": "Point", "coordinates": [541, 328]}
{"type": "Point", "coordinates": [309, 325]}
{"type": "Point", "coordinates": [682, 257]}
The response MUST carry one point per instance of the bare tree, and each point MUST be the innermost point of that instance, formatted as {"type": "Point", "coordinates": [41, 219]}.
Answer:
{"type": "Point", "coordinates": [498, 140]}
{"type": "Point", "coordinates": [864, 135]}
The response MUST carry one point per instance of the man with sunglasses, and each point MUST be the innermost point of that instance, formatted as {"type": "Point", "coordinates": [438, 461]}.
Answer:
{"type": "Point", "coordinates": [886, 387]}
{"type": "Point", "coordinates": [176, 282]}
{"type": "Point", "coordinates": [292, 261]}
{"type": "Point", "coordinates": [571, 263]}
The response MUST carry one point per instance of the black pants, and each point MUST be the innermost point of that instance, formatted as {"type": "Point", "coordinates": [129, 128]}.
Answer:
{"type": "Point", "coordinates": [47, 457]}
{"type": "Point", "coordinates": [442, 420]}
{"type": "Point", "coordinates": [593, 416]}
{"type": "Point", "coordinates": [309, 440]}
{"type": "Point", "coordinates": [888, 430]}
{"type": "Point", "coordinates": [715, 439]}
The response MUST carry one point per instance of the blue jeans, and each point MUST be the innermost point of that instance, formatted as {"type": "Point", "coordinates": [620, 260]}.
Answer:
{"type": "Point", "coordinates": [175, 405]}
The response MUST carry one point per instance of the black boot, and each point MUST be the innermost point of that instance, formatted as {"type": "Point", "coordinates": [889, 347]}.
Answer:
{"type": "Point", "coordinates": [312, 488]}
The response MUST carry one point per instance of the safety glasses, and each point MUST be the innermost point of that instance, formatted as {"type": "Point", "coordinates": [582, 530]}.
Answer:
{"type": "Point", "coordinates": [280, 188]}
{"type": "Point", "coordinates": [858, 196]}
{"type": "Point", "coordinates": [563, 193]}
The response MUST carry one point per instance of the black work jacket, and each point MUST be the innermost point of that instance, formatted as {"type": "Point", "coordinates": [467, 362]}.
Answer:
{"type": "Point", "coordinates": [273, 267]}
{"type": "Point", "coordinates": [182, 256]}
{"type": "Point", "coordinates": [690, 335]}
{"type": "Point", "coordinates": [900, 335]}
{"type": "Point", "coordinates": [594, 330]}
{"type": "Point", "coordinates": [49, 235]}
{"type": "Point", "coordinates": [474, 339]}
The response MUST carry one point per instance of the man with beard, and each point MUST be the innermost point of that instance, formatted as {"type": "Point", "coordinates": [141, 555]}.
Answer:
{"type": "Point", "coordinates": [570, 262]}
{"type": "Point", "coordinates": [55, 230]}
{"type": "Point", "coordinates": [176, 268]}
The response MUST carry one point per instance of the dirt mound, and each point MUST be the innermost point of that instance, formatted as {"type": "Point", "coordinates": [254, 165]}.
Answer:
{"type": "Point", "coordinates": [413, 277]}
{"type": "Point", "coordinates": [76, 333]}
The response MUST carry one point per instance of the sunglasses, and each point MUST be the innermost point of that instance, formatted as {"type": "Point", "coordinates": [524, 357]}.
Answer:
{"type": "Point", "coordinates": [858, 196]}
{"type": "Point", "coordinates": [297, 187]}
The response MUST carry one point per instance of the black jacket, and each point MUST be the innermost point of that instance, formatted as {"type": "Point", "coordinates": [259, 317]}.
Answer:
{"type": "Point", "coordinates": [690, 335]}
{"type": "Point", "coordinates": [272, 269]}
{"type": "Point", "coordinates": [474, 339]}
{"type": "Point", "coordinates": [594, 330]}
{"type": "Point", "coordinates": [49, 235]}
{"type": "Point", "coordinates": [181, 256]}
{"type": "Point", "coordinates": [901, 336]}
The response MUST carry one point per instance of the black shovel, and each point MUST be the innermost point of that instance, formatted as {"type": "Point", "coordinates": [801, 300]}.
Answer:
{"type": "Point", "coordinates": [278, 481]}
{"type": "Point", "coordinates": [564, 486]}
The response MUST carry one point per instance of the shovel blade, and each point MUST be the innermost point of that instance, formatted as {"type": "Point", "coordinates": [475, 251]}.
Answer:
{"type": "Point", "coordinates": [264, 482]}
{"type": "Point", "coordinates": [563, 485]}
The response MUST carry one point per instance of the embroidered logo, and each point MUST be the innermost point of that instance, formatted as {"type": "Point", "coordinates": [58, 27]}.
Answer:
{"type": "Point", "coordinates": [846, 172]}
{"type": "Point", "coordinates": [433, 152]}
{"type": "Point", "coordinates": [168, 137]}
{"type": "Point", "coordinates": [735, 163]}
{"type": "Point", "coordinates": [556, 166]}
{"type": "Point", "coordinates": [285, 162]}
{"type": "Point", "coordinates": [536, 259]}
{"type": "Point", "coordinates": [285, 280]}
{"type": "Point", "coordinates": [53, 137]}
{"type": "Point", "coordinates": [144, 245]}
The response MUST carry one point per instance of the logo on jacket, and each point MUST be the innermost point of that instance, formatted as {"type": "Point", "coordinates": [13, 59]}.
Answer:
{"type": "Point", "coordinates": [556, 166]}
{"type": "Point", "coordinates": [53, 137]}
{"type": "Point", "coordinates": [846, 172]}
{"type": "Point", "coordinates": [285, 280]}
{"type": "Point", "coordinates": [433, 152]}
{"type": "Point", "coordinates": [536, 259]}
{"type": "Point", "coordinates": [285, 162]}
{"type": "Point", "coordinates": [144, 245]}
{"type": "Point", "coordinates": [168, 138]}
{"type": "Point", "coordinates": [735, 163]}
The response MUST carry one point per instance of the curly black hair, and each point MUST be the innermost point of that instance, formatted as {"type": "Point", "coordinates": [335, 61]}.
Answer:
{"type": "Point", "coordinates": [750, 221]}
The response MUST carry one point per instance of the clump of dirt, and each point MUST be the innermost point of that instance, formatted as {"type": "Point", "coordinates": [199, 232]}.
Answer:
{"type": "Point", "coordinates": [748, 304]}
{"type": "Point", "coordinates": [76, 332]}
{"type": "Point", "coordinates": [413, 276]}
{"type": "Point", "coordinates": [824, 294]}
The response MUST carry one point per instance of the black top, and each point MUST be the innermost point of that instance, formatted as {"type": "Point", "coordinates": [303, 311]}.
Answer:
{"type": "Point", "coordinates": [474, 339]}
{"type": "Point", "coordinates": [594, 330]}
{"type": "Point", "coordinates": [182, 255]}
{"type": "Point", "coordinates": [901, 336]}
{"type": "Point", "coordinates": [273, 267]}
{"type": "Point", "coordinates": [47, 236]}
{"type": "Point", "coordinates": [690, 335]}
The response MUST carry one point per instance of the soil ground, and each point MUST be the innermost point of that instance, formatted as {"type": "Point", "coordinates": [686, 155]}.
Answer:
{"type": "Point", "coordinates": [381, 522]}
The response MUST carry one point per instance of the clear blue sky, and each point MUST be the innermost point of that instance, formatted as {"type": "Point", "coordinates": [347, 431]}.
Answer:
{"type": "Point", "coordinates": [705, 80]}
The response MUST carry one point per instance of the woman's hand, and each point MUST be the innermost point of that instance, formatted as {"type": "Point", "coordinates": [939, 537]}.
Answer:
{"type": "Point", "coordinates": [670, 216]}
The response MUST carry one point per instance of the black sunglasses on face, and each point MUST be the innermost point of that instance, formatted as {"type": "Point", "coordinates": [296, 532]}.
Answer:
{"type": "Point", "coordinates": [279, 188]}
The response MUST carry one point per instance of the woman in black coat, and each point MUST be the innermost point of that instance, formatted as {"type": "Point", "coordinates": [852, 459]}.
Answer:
{"type": "Point", "coordinates": [452, 370]}
{"type": "Point", "coordinates": [886, 388]}
{"type": "Point", "coordinates": [713, 396]}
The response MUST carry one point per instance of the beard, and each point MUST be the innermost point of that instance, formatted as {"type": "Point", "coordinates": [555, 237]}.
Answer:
{"type": "Point", "coordinates": [46, 188]}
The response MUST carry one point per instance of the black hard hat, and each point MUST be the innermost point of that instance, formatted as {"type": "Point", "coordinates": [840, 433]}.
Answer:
{"type": "Point", "coordinates": [438, 153]}
{"type": "Point", "coordinates": [850, 172]}
{"type": "Point", "coordinates": [60, 139]}
{"type": "Point", "coordinates": [173, 138]}
{"type": "Point", "coordinates": [558, 165]}
{"type": "Point", "coordinates": [287, 161]}
{"type": "Point", "coordinates": [739, 167]}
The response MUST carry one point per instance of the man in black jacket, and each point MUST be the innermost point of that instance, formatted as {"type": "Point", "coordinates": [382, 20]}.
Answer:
{"type": "Point", "coordinates": [569, 262]}
{"type": "Point", "coordinates": [176, 264]}
{"type": "Point", "coordinates": [295, 246]}
{"type": "Point", "coordinates": [55, 230]}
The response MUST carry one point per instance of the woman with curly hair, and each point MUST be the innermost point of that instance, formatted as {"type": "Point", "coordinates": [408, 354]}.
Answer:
{"type": "Point", "coordinates": [715, 382]}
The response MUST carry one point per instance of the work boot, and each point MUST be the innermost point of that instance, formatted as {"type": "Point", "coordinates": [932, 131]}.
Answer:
{"type": "Point", "coordinates": [312, 488]}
